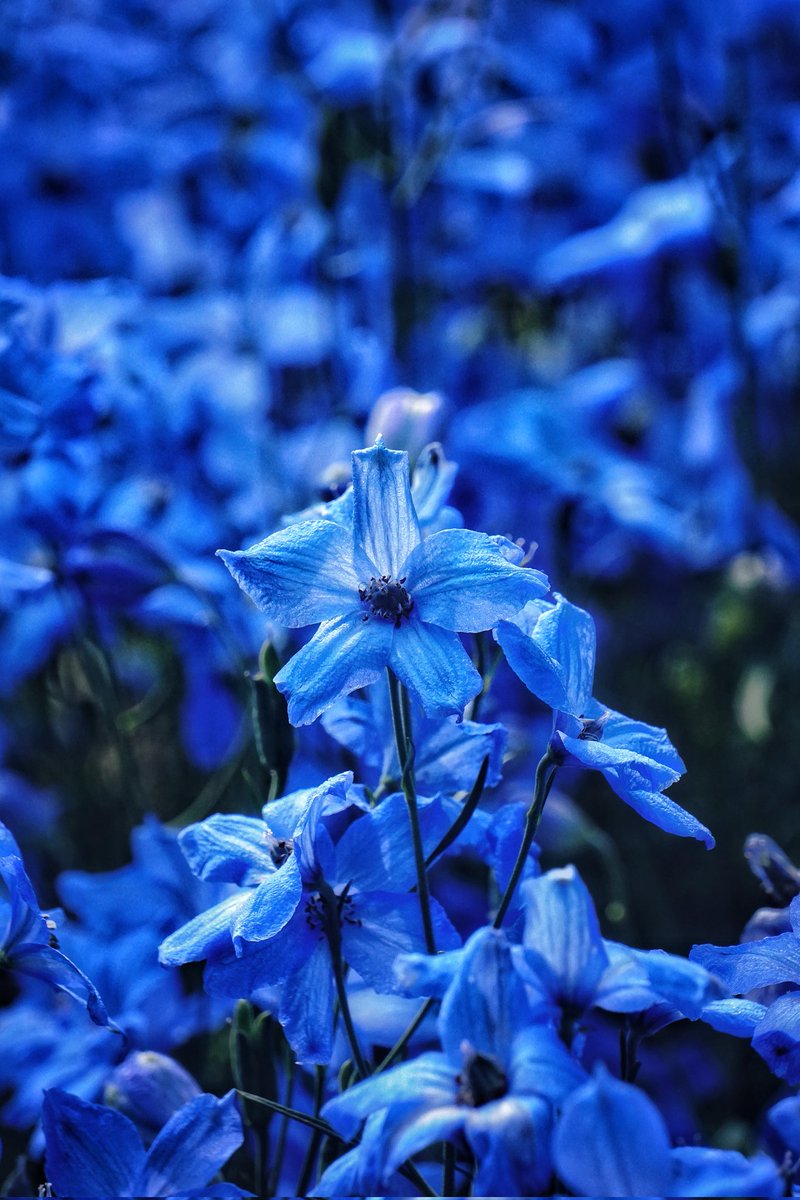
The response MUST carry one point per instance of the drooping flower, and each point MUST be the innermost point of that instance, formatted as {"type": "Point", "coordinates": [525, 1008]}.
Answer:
{"type": "Point", "coordinates": [383, 596]}
{"type": "Point", "coordinates": [552, 649]}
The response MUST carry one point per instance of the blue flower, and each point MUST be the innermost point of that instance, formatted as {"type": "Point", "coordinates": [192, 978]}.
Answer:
{"type": "Point", "coordinates": [552, 649]}
{"type": "Point", "coordinates": [384, 596]}
{"type": "Point", "coordinates": [95, 1151]}
{"type": "Point", "coordinates": [27, 936]}
{"type": "Point", "coordinates": [273, 930]}
{"type": "Point", "coordinates": [497, 1080]}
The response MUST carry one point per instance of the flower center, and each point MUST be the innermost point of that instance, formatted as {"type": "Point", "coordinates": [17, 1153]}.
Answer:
{"type": "Point", "coordinates": [386, 598]}
{"type": "Point", "coordinates": [482, 1079]}
{"type": "Point", "coordinates": [592, 728]}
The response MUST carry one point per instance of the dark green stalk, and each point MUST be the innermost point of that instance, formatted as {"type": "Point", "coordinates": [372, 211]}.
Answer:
{"type": "Point", "coordinates": [307, 1169]}
{"type": "Point", "coordinates": [464, 817]}
{"type": "Point", "coordinates": [280, 1145]}
{"type": "Point", "coordinates": [401, 722]}
{"type": "Point", "coordinates": [545, 773]}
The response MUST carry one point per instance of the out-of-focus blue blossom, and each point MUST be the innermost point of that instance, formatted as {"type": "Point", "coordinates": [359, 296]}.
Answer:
{"type": "Point", "coordinates": [552, 648]}
{"type": "Point", "coordinates": [28, 944]}
{"type": "Point", "coordinates": [149, 1088]}
{"type": "Point", "coordinates": [612, 1139]}
{"type": "Point", "coordinates": [385, 597]}
{"type": "Point", "coordinates": [96, 1151]}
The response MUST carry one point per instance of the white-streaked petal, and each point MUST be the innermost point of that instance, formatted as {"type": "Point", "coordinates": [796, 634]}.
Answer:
{"type": "Point", "coordinates": [385, 527]}
{"type": "Point", "coordinates": [435, 668]}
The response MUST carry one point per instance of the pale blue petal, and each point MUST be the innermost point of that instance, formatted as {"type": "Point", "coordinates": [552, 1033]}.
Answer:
{"type": "Point", "coordinates": [452, 756]}
{"type": "Point", "coordinates": [552, 649]}
{"type": "Point", "coordinates": [385, 527]}
{"type": "Point", "coordinates": [784, 1117]}
{"type": "Point", "coordinates": [271, 905]}
{"type": "Point", "coordinates": [486, 1004]}
{"type": "Point", "coordinates": [428, 1080]}
{"type": "Point", "coordinates": [562, 941]}
{"type": "Point", "coordinates": [205, 934]}
{"type": "Point", "coordinates": [611, 1141]}
{"type": "Point", "coordinates": [649, 741]}
{"type": "Point", "coordinates": [427, 974]}
{"type": "Point", "coordinates": [511, 1142]}
{"type": "Point", "coordinates": [435, 668]}
{"type": "Point", "coordinates": [344, 654]}
{"type": "Point", "coordinates": [262, 964]}
{"type": "Point", "coordinates": [703, 1171]}
{"type": "Point", "coordinates": [229, 847]}
{"type": "Point", "coordinates": [685, 985]}
{"type": "Point", "coordinates": [306, 1010]}
{"type": "Point", "coordinates": [752, 964]}
{"type": "Point", "coordinates": [91, 1150]}
{"type": "Point", "coordinates": [299, 575]}
{"type": "Point", "coordinates": [467, 581]}
{"type": "Point", "coordinates": [423, 1129]}
{"type": "Point", "coordinates": [542, 1066]}
{"type": "Point", "coordinates": [194, 1144]}
{"type": "Point", "coordinates": [637, 781]}
{"type": "Point", "coordinates": [385, 924]}
{"type": "Point", "coordinates": [376, 852]}
{"type": "Point", "coordinates": [737, 1018]}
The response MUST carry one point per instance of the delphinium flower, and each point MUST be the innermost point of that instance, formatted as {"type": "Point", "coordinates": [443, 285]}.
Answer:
{"type": "Point", "coordinates": [28, 937]}
{"type": "Point", "coordinates": [322, 882]}
{"type": "Point", "coordinates": [384, 596]}
{"type": "Point", "coordinates": [498, 1079]}
{"type": "Point", "coordinates": [551, 646]}
{"type": "Point", "coordinates": [93, 1150]}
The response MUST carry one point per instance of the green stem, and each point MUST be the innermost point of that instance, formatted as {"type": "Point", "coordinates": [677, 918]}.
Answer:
{"type": "Point", "coordinates": [310, 1159]}
{"type": "Point", "coordinates": [334, 935]}
{"type": "Point", "coordinates": [280, 1146]}
{"type": "Point", "coordinates": [401, 722]}
{"type": "Point", "coordinates": [406, 1036]}
{"type": "Point", "coordinates": [545, 773]}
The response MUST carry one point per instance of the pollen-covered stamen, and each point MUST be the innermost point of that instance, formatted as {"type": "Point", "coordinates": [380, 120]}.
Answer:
{"type": "Point", "coordinates": [386, 598]}
{"type": "Point", "coordinates": [482, 1079]}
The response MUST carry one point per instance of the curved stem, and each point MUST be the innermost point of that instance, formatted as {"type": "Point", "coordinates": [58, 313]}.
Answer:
{"type": "Point", "coordinates": [545, 773]}
{"type": "Point", "coordinates": [401, 722]}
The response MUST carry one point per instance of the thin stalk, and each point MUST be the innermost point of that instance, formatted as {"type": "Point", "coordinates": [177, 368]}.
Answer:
{"type": "Point", "coordinates": [545, 773]}
{"type": "Point", "coordinates": [401, 721]}
{"type": "Point", "coordinates": [307, 1169]}
{"type": "Point", "coordinates": [406, 1036]}
{"type": "Point", "coordinates": [334, 936]}
{"type": "Point", "coordinates": [280, 1145]}
{"type": "Point", "coordinates": [448, 1170]}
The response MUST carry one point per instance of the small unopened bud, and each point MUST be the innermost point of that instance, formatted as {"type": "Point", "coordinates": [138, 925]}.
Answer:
{"type": "Point", "coordinates": [149, 1088]}
{"type": "Point", "coordinates": [778, 876]}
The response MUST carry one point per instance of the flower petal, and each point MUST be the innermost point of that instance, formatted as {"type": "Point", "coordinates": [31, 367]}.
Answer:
{"type": "Point", "coordinates": [468, 581]}
{"type": "Point", "coordinates": [389, 924]}
{"type": "Point", "coordinates": [194, 1144]}
{"type": "Point", "coordinates": [228, 846]}
{"type": "Point", "coordinates": [435, 668]}
{"type": "Point", "coordinates": [611, 1141]}
{"type": "Point", "coordinates": [91, 1150]}
{"type": "Point", "coordinates": [271, 905]}
{"type": "Point", "coordinates": [486, 1003]}
{"type": "Point", "coordinates": [385, 527]}
{"type": "Point", "coordinates": [344, 654]}
{"type": "Point", "coordinates": [299, 575]}
{"type": "Point", "coordinates": [552, 649]}
{"type": "Point", "coordinates": [427, 1080]}
{"type": "Point", "coordinates": [306, 1011]}
{"type": "Point", "coordinates": [205, 934]}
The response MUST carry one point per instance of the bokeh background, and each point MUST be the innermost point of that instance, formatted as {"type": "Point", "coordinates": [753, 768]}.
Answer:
{"type": "Point", "coordinates": [563, 236]}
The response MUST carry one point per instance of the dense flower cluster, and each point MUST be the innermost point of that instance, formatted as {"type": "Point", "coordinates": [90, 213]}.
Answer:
{"type": "Point", "coordinates": [320, 885]}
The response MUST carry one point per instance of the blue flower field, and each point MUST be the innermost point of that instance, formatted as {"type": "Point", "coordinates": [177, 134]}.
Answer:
{"type": "Point", "coordinates": [399, 636]}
